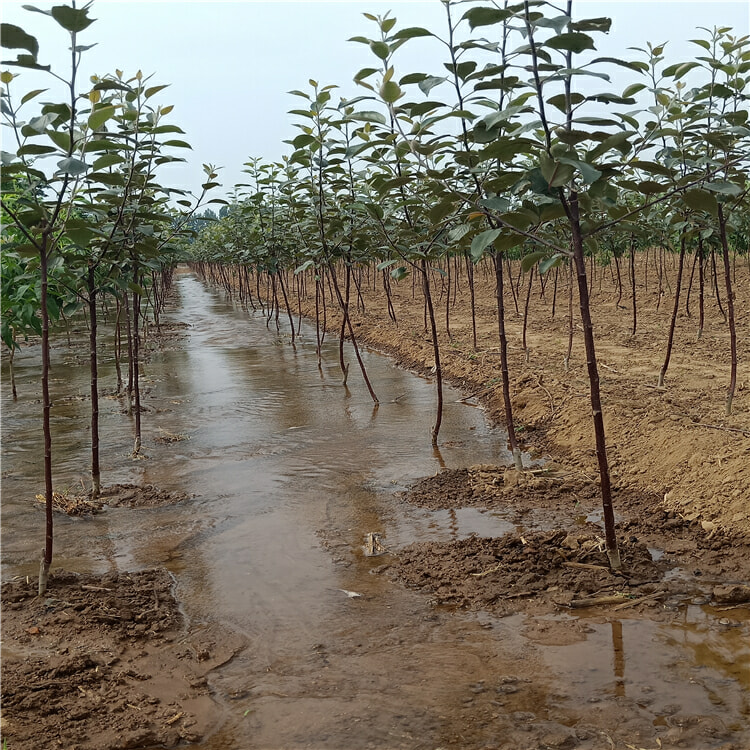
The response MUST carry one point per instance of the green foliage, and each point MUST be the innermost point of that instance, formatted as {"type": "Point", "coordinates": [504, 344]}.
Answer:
{"type": "Point", "coordinates": [531, 124]}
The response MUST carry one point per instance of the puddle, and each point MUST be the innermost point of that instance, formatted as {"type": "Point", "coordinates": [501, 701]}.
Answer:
{"type": "Point", "coordinates": [289, 471]}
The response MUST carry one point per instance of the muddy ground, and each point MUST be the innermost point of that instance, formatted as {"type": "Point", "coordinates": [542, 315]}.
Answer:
{"type": "Point", "coordinates": [566, 567]}
{"type": "Point", "coordinates": [106, 662]}
{"type": "Point", "coordinates": [111, 662]}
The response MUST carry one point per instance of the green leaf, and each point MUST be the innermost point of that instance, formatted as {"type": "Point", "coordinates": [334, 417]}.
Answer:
{"type": "Point", "coordinates": [558, 23]}
{"type": "Point", "coordinates": [36, 10]}
{"type": "Point", "coordinates": [387, 24]}
{"type": "Point", "coordinates": [107, 160]}
{"type": "Point", "coordinates": [302, 140]}
{"type": "Point", "coordinates": [507, 242]}
{"type": "Point", "coordinates": [99, 116]}
{"type": "Point", "coordinates": [380, 49]}
{"type": "Point", "coordinates": [552, 262]}
{"type": "Point", "coordinates": [14, 37]}
{"type": "Point", "coordinates": [168, 129]}
{"type": "Point", "coordinates": [724, 188]}
{"type": "Point", "coordinates": [634, 88]}
{"type": "Point", "coordinates": [72, 166]}
{"type": "Point", "coordinates": [111, 86]}
{"type": "Point", "coordinates": [459, 232]}
{"type": "Point", "coordinates": [589, 173]}
{"type": "Point", "coordinates": [602, 24]}
{"type": "Point", "coordinates": [37, 125]}
{"type": "Point", "coordinates": [554, 172]}
{"type": "Point", "coordinates": [80, 235]}
{"type": "Point", "coordinates": [381, 266]}
{"type": "Point", "coordinates": [679, 70]}
{"type": "Point", "coordinates": [113, 180]}
{"type": "Point", "coordinates": [177, 144]}
{"type": "Point", "coordinates": [653, 167]}
{"type": "Point", "coordinates": [636, 65]}
{"type": "Point", "coordinates": [439, 211]}
{"type": "Point", "coordinates": [571, 41]}
{"type": "Point", "coordinates": [148, 93]}
{"type": "Point", "coordinates": [650, 187]}
{"type": "Point", "coordinates": [412, 32]}
{"type": "Point", "coordinates": [700, 200]}
{"type": "Point", "coordinates": [529, 261]}
{"type": "Point", "coordinates": [429, 82]}
{"type": "Point", "coordinates": [481, 241]}
{"type": "Point", "coordinates": [53, 309]}
{"type": "Point", "coordinates": [497, 203]}
{"type": "Point", "coordinates": [390, 91]}
{"type": "Point", "coordinates": [399, 273]}
{"type": "Point", "coordinates": [71, 19]}
{"type": "Point", "coordinates": [31, 94]}
{"type": "Point", "coordinates": [561, 101]}
{"type": "Point", "coordinates": [33, 149]}
{"type": "Point", "coordinates": [369, 116]}
{"type": "Point", "coordinates": [26, 61]}
{"type": "Point", "coordinates": [486, 16]}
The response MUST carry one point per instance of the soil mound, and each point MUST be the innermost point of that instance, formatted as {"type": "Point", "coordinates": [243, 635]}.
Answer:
{"type": "Point", "coordinates": [555, 567]}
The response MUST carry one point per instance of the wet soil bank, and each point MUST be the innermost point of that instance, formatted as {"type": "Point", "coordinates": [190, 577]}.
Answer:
{"type": "Point", "coordinates": [258, 612]}
{"type": "Point", "coordinates": [556, 559]}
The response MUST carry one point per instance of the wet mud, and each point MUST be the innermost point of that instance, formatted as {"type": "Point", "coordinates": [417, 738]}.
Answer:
{"type": "Point", "coordinates": [106, 662]}
{"type": "Point", "coordinates": [253, 609]}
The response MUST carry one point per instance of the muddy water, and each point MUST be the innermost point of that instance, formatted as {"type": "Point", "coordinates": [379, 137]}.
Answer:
{"type": "Point", "coordinates": [288, 471]}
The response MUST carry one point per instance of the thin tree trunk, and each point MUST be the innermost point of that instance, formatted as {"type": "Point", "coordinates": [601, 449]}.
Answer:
{"type": "Point", "coordinates": [448, 301]}
{"type": "Point", "coordinates": [118, 343]}
{"type": "Point", "coordinates": [554, 292]}
{"type": "Point", "coordinates": [509, 426]}
{"type": "Point", "coordinates": [716, 285]}
{"type": "Point", "coordinates": [136, 362]}
{"type": "Point", "coordinates": [701, 287]}
{"type": "Point", "coordinates": [470, 280]}
{"type": "Point", "coordinates": [317, 318]}
{"type": "Point", "coordinates": [675, 308]}
{"type": "Point", "coordinates": [363, 370]}
{"type": "Point", "coordinates": [632, 284]}
{"type": "Point", "coordinates": [571, 328]}
{"type": "Point", "coordinates": [436, 351]}
{"type": "Point", "coordinates": [11, 370]}
{"type": "Point", "coordinates": [389, 300]}
{"type": "Point", "coordinates": [690, 285]}
{"type": "Point", "coordinates": [46, 561]}
{"type": "Point", "coordinates": [286, 304]}
{"type": "Point", "coordinates": [619, 282]}
{"type": "Point", "coordinates": [613, 552]}
{"type": "Point", "coordinates": [94, 367]}
{"type": "Point", "coordinates": [526, 314]}
{"type": "Point", "coordinates": [730, 310]}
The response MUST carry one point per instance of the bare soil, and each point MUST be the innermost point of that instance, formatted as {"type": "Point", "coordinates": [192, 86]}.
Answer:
{"type": "Point", "coordinates": [106, 663]}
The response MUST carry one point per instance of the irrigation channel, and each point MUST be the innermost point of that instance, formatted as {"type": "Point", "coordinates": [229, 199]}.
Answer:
{"type": "Point", "coordinates": [287, 472]}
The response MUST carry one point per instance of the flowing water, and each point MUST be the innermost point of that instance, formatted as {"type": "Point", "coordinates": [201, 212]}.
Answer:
{"type": "Point", "coordinates": [287, 472]}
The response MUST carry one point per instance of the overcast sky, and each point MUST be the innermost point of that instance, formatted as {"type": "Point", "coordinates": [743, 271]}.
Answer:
{"type": "Point", "coordinates": [230, 64]}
